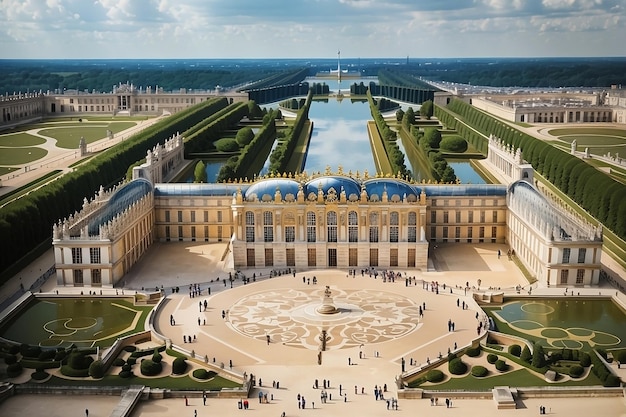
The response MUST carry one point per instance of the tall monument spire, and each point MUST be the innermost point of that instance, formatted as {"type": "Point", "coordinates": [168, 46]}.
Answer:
{"type": "Point", "coordinates": [339, 65]}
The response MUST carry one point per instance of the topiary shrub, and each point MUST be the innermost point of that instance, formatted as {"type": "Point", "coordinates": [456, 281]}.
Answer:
{"type": "Point", "coordinates": [585, 359]}
{"type": "Point", "coordinates": [434, 375]}
{"type": "Point", "coordinates": [119, 362]}
{"type": "Point", "coordinates": [131, 361]}
{"type": "Point", "coordinates": [156, 357]}
{"type": "Point", "coordinates": [125, 374]}
{"type": "Point", "coordinates": [515, 350]}
{"type": "Point", "coordinates": [10, 359]}
{"type": "Point", "coordinates": [612, 381]}
{"type": "Point", "coordinates": [457, 367]}
{"type": "Point", "coordinates": [179, 366]}
{"type": "Point", "coordinates": [526, 356]}
{"type": "Point", "coordinates": [501, 365]}
{"type": "Point", "coordinates": [539, 357]}
{"type": "Point", "coordinates": [150, 368]}
{"type": "Point", "coordinates": [575, 371]}
{"type": "Point", "coordinates": [226, 145]}
{"type": "Point", "coordinates": [200, 373]}
{"type": "Point", "coordinates": [479, 371]}
{"type": "Point", "coordinates": [244, 136]}
{"type": "Point", "coordinates": [473, 351]}
{"type": "Point", "coordinates": [492, 358]}
{"type": "Point", "coordinates": [39, 375]}
{"type": "Point", "coordinates": [14, 370]}
{"type": "Point", "coordinates": [96, 369]}
{"type": "Point", "coordinates": [130, 348]}
{"type": "Point", "coordinates": [567, 354]}
{"type": "Point", "coordinates": [126, 367]}
{"type": "Point", "coordinates": [78, 360]}
{"type": "Point", "coordinates": [453, 144]}
{"type": "Point", "coordinates": [75, 373]}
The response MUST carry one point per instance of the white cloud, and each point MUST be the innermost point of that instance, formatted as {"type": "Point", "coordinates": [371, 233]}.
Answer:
{"type": "Point", "coordinates": [306, 28]}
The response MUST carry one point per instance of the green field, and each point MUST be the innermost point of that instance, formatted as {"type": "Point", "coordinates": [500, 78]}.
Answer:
{"type": "Point", "coordinates": [17, 156]}
{"type": "Point", "coordinates": [600, 141]}
{"type": "Point", "coordinates": [20, 139]}
{"type": "Point", "coordinates": [69, 137]}
{"type": "Point", "coordinates": [81, 321]}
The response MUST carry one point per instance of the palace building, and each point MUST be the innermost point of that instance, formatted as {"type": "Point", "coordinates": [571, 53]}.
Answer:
{"type": "Point", "coordinates": [328, 220]}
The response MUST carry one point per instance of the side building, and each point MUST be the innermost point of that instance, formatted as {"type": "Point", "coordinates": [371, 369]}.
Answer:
{"type": "Point", "coordinates": [330, 220]}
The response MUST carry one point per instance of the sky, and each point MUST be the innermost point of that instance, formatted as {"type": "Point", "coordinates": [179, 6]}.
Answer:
{"type": "Point", "coordinates": [211, 29]}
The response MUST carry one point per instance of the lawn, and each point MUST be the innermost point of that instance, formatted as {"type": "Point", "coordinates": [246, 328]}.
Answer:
{"type": "Point", "coordinates": [518, 378]}
{"type": "Point", "coordinates": [20, 139]}
{"type": "Point", "coordinates": [178, 383]}
{"type": "Point", "coordinates": [588, 131]}
{"type": "Point", "coordinates": [17, 156]}
{"type": "Point", "coordinates": [69, 137]}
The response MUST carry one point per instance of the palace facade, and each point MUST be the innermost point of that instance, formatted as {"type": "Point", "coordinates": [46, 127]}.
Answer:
{"type": "Point", "coordinates": [329, 220]}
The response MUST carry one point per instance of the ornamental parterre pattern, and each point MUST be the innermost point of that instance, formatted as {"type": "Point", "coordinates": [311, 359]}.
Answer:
{"type": "Point", "coordinates": [290, 317]}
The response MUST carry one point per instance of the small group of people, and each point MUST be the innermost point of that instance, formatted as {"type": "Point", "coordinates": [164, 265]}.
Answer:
{"type": "Point", "coordinates": [188, 339]}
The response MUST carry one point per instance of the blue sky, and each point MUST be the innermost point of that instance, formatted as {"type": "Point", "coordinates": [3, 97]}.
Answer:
{"type": "Point", "coordinates": [311, 28]}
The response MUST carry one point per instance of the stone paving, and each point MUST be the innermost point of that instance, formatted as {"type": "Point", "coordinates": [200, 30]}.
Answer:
{"type": "Point", "coordinates": [378, 325]}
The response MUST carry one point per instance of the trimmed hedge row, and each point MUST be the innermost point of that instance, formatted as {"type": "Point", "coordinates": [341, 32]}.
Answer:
{"type": "Point", "coordinates": [602, 196]}
{"type": "Point", "coordinates": [29, 220]}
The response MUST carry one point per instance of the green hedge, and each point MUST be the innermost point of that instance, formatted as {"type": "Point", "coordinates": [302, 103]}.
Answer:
{"type": "Point", "coordinates": [515, 350]}
{"type": "Point", "coordinates": [150, 368]}
{"type": "Point", "coordinates": [479, 371]}
{"type": "Point", "coordinates": [179, 366]}
{"type": "Point", "coordinates": [457, 367]}
{"type": "Point", "coordinates": [434, 375]}
{"type": "Point", "coordinates": [75, 373]}
{"type": "Point", "coordinates": [598, 193]}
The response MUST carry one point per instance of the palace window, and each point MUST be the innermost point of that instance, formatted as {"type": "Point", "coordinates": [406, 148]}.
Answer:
{"type": "Point", "coordinates": [167, 216]}
{"type": "Point", "coordinates": [470, 216]}
{"type": "Point", "coordinates": [353, 226]}
{"type": "Point", "coordinates": [564, 276]}
{"type": "Point", "coordinates": [96, 276]}
{"type": "Point", "coordinates": [394, 222]}
{"type": "Point", "coordinates": [77, 256]}
{"type": "Point", "coordinates": [580, 276]}
{"type": "Point", "coordinates": [331, 223]}
{"type": "Point", "coordinates": [412, 230]}
{"type": "Point", "coordinates": [582, 254]}
{"type": "Point", "coordinates": [94, 255]}
{"type": "Point", "coordinates": [374, 227]}
{"type": "Point", "coordinates": [482, 216]}
{"type": "Point", "coordinates": [249, 226]}
{"type": "Point", "coordinates": [433, 216]}
{"type": "Point", "coordinates": [219, 216]}
{"type": "Point", "coordinates": [290, 233]}
{"type": "Point", "coordinates": [445, 216]}
{"type": "Point", "coordinates": [311, 228]}
{"type": "Point", "coordinates": [78, 276]}
{"type": "Point", "coordinates": [445, 232]}
{"type": "Point", "coordinates": [180, 216]}
{"type": "Point", "coordinates": [193, 216]}
{"type": "Point", "coordinates": [470, 231]}
{"type": "Point", "coordinates": [495, 216]}
{"type": "Point", "coordinates": [206, 216]}
{"type": "Point", "coordinates": [268, 226]}
{"type": "Point", "coordinates": [457, 216]}
{"type": "Point", "coordinates": [566, 254]}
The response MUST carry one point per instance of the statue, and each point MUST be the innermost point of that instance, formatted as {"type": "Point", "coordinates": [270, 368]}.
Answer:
{"type": "Point", "coordinates": [327, 306]}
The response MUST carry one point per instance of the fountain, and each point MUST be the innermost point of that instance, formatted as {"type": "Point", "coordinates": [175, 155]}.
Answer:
{"type": "Point", "coordinates": [327, 307]}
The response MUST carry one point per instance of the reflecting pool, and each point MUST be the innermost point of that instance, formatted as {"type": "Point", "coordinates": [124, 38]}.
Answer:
{"type": "Point", "coordinates": [565, 322]}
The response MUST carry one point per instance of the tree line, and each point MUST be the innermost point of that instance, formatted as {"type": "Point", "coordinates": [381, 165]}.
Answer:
{"type": "Point", "coordinates": [600, 195]}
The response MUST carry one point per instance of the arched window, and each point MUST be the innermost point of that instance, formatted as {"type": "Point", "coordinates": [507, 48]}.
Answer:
{"type": "Point", "coordinates": [268, 226]}
{"type": "Point", "coordinates": [331, 223]}
{"type": "Point", "coordinates": [353, 226]}
{"type": "Point", "coordinates": [374, 226]}
{"type": "Point", "coordinates": [412, 229]}
{"type": "Point", "coordinates": [394, 223]}
{"type": "Point", "coordinates": [311, 235]}
{"type": "Point", "coordinates": [249, 226]}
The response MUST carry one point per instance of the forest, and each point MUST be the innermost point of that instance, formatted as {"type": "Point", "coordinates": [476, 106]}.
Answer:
{"type": "Point", "coordinates": [102, 75]}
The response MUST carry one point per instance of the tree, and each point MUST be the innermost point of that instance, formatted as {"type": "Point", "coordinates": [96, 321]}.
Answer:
{"type": "Point", "coordinates": [526, 356]}
{"type": "Point", "coordinates": [539, 357]}
{"type": "Point", "coordinates": [432, 138]}
{"type": "Point", "coordinates": [199, 173]}
{"type": "Point", "coordinates": [244, 136]}
{"type": "Point", "coordinates": [427, 109]}
{"type": "Point", "coordinates": [399, 115]}
{"type": "Point", "coordinates": [409, 117]}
